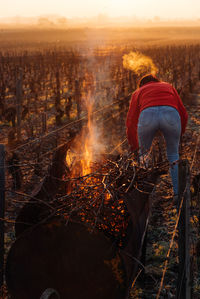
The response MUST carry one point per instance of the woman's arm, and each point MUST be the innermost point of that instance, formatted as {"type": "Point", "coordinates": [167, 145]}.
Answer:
{"type": "Point", "coordinates": [182, 111]}
{"type": "Point", "coordinates": [132, 121]}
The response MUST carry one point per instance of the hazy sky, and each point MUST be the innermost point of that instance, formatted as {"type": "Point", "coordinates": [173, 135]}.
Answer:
{"type": "Point", "coordinates": [87, 8]}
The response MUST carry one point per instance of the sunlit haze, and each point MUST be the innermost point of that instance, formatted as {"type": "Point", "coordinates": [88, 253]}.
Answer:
{"type": "Point", "coordinates": [187, 9]}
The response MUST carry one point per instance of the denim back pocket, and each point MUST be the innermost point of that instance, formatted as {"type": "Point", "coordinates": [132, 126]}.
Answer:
{"type": "Point", "coordinates": [171, 116]}
{"type": "Point", "coordinates": [146, 117]}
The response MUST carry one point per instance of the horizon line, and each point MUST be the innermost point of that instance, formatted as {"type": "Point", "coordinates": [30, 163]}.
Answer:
{"type": "Point", "coordinates": [101, 15]}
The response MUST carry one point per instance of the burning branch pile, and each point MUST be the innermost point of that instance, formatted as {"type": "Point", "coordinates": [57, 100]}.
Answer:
{"type": "Point", "coordinates": [99, 198]}
{"type": "Point", "coordinates": [99, 185]}
{"type": "Point", "coordinates": [108, 199]}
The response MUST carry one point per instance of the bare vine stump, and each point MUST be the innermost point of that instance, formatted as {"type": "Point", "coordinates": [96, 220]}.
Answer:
{"type": "Point", "coordinates": [184, 279]}
{"type": "Point", "coordinates": [19, 105]}
{"type": "Point", "coordinates": [2, 211]}
{"type": "Point", "coordinates": [44, 123]}
{"type": "Point", "coordinates": [15, 171]}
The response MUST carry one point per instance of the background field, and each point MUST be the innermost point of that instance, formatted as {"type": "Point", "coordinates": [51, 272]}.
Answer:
{"type": "Point", "coordinates": [43, 38]}
{"type": "Point", "coordinates": [46, 80]}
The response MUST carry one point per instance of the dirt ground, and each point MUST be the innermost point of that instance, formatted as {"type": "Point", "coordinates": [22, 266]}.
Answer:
{"type": "Point", "coordinates": [161, 225]}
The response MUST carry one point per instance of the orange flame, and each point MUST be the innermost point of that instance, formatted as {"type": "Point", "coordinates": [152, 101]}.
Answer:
{"type": "Point", "coordinates": [88, 145]}
{"type": "Point", "coordinates": [80, 157]}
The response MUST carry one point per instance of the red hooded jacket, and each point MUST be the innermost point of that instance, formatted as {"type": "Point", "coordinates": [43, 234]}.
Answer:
{"type": "Point", "coordinates": [152, 94]}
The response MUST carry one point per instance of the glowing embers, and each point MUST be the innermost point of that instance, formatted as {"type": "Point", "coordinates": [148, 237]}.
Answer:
{"type": "Point", "coordinates": [95, 198]}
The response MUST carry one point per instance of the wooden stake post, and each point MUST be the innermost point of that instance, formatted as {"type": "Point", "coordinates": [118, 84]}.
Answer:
{"type": "Point", "coordinates": [184, 281]}
{"type": "Point", "coordinates": [19, 105]}
{"type": "Point", "coordinates": [2, 211]}
{"type": "Point", "coordinates": [44, 123]}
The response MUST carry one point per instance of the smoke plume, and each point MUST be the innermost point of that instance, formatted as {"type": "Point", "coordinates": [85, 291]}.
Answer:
{"type": "Point", "coordinates": [139, 63]}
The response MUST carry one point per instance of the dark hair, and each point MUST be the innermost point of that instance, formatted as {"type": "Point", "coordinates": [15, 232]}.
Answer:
{"type": "Point", "coordinates": [147, 79]}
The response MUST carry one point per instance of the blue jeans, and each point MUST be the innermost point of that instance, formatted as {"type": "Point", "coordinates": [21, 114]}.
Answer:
{"type": "Point", "coordinates": [167, 120]}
